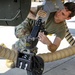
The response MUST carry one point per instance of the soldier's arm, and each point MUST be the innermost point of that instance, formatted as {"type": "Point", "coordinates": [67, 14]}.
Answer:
{"type": "Point", "coordinates": [69, 37]}
{"type": "Point", "coordinates": [53, 46]}
{"type": "Point", "coordinates": [22, 28]}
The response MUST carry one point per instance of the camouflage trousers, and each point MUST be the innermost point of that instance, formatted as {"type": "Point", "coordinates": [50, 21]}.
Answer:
{"type": "Point", "coordinates": [20, 45]}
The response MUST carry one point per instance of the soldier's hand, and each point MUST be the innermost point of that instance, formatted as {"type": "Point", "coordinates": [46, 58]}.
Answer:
{"type": "Point", "coordinates": [42, 13]}
{"type": "Point", "coordinates": [43, 38]}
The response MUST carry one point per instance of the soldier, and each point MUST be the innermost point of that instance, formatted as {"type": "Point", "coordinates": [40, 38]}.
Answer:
{"type": "Point", "coordinates": [54, 25]}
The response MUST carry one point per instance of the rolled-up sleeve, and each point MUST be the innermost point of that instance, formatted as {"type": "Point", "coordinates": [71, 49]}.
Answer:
{"type": "Point", "coordinates": [24, 28]}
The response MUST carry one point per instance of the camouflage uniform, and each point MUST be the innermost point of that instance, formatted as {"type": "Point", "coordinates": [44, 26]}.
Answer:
{"type": "Point", "coordinates": [21, 32]}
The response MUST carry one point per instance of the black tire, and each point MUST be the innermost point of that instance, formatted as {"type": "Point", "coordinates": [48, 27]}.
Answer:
{"type": "Point", "coordinates": [13, 12]}
{"type": "Point", "coordinates": [39, 70]}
